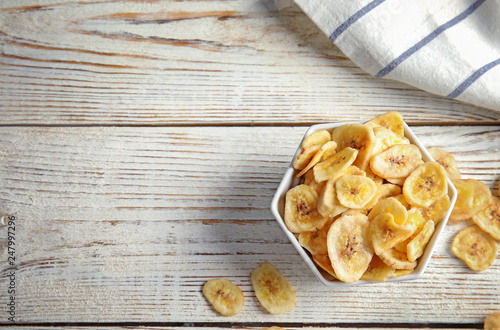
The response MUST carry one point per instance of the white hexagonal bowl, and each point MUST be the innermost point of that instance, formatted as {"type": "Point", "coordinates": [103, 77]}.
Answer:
{"type": "Point", "coordinates": [290, 180]}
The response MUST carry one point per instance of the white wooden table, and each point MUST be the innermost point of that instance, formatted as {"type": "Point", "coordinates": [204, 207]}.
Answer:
{"type": "Point", "coordinates": [142, 142]}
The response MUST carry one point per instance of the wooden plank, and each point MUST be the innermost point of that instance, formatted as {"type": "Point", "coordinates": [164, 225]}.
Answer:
{"type": "Point", "coordinates": [185, 62]}
{"type": "Point", "coordinates": [124, 224]}
{"type": "Point", "coordinates": [232, 326]}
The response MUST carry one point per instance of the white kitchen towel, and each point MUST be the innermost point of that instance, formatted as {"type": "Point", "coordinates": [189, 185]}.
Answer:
{"type": "Point", "coordinates": [446, 47]}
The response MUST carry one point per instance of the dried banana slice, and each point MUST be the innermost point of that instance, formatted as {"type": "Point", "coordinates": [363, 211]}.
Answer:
{"type": "Point", "coordinates": [475, 247]}
{"type": "Point", "coordinates": [325, 151]}
{"type": "Point", "coordinates": [492, 321]}
{"type": "Point", "coordinates": [482, 195]}
{"type": "Point", "coordinates": [426, 184]}
{"type": "Point", "coordinates": [385, 138]}
{"type": "Point", "coordinates": [301, 212]}
{"type": "Point", "coordinates": [390, 205]}
{"type": "Point", "coordinates": [356, 136]}
{"type": "Point", "coordinates": [402, 272]}
{"type": "Point", "coordinates": [416, 221]}
{"type": "Point", "coordinates": [385, 233]}
{"type": "Point", "coordinates": [323, 261]}
{"type": "Point", "coordinates": [396, 162]}
{"type": "Point", "coordinates": [355, 191]}
{"type": "Point", "coordinates": [397, 181]}
{"type": "Point", "coordinates": [305, 156]}
{"type": "Point", "coordinates": [447, 160]}
{"type": "Point", "coordinates": [397, 259]}
{"type": "Point", "coordinates": [273, 291]}
{"type": "Point", "coordinates": [315, 241]}
{"type": "Point", "coordinates": [488, 219]}
{"type": "Point", "coordinates": [416, 246]}
{"type": "Point", "coordinates": [334, 166]}
{"type": "Point", "coordinates": [329, 205]}
{"type": "Point", "coordinates": [391, 120]}
{"type": "Point", "coordinates": [349, 247]}
{"type": "Point", "coordinates": [401, 198]}
{"type": "Point", "coordinates": [317, 138]}
{"type": "Point", "coordinates": [354, 170]}
{"type": "Point", "coordinates": [225, 297]}
{"type": "Point", "coordinates": [378, 271]}
{"type": "Point", "coordinates": [308, 179]}
{"type": "Point", "coordinates": [436, 211]}
{"type": "Point", "coordinates": [465, 195]}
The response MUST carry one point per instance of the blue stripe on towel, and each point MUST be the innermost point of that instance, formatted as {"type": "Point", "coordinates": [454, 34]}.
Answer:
{"type": "Point", "coordinates": [351, 20]}
{"type": "Point", "coordinates": [398, 60]}
{"type": "Point", "coordinates": [472, 78]}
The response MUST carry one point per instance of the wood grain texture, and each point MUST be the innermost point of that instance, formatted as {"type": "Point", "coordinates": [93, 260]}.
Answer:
{"type": "Point", "coordinates": [188, 62]}
{"type": "Point", "coordinates": [125, 224]}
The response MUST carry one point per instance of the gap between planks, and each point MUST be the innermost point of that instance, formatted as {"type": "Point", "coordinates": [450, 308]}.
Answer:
{"type": "Point", "coordinates": [249, 124]}
{"type": "Point", "coordinates": [259, 325]}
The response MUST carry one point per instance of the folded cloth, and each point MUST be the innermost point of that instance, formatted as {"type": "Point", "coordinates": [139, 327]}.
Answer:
{"type": "Point", "coordinates": [449, 48]}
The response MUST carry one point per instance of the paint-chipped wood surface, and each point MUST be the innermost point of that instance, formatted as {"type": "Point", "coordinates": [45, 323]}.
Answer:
{"type": "Point", "coordinates": [142, 142]}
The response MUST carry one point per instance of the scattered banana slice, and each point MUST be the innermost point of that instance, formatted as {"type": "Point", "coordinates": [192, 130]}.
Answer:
{"type": "Point", "coordinates": [225, 297]}
{"type": "Point", "coordinates": [397, 259]}
{"type": "Point", "coordinates": [349, 247]}
{"type": "Point", "coordinates": [356, 136]}
{"type": "Point", "coordinates": [465, 195]}
{"type": "Point", "coordinates": [416, 246]}
{"type": "Point", "coordinates": [396, 162]}
{"type": "Point", "coordinates": [436, 211]}
{"type": "Point", "coordinates": [391, 120]}
{"type": "Point", "coordinates": [488, 219]}
{"type": "Point", "coordinates": [329, 205]}
{"type": "Point", "coordinates": [325, 151]}
{"type": "Point", "coordinates": [482, 195]}
{"type": "Point", "coordinates": [475, 247]}
{"type": "Point", "coordinates": [385, 233]}
{"type": "Point", "coordinates": [301, 212]}
{"type": "Point", "coordinates": [355, 191]}
{"type": "Point", "coordinates": [426, 184]}
{"type": "Point", "coordinates": [378, 271]}
{"type": "Point", "coordinates": [385, 138]}
{"type": "Point", "coordinates": [334, 166]}
{"type": "Point", "coordinates": [273, 291]}
{"type": "Point", "coordinates": [317, 138]}
{"type": "Point", "coordinates": [390, 205]}
{"type": "Point", "coordinates": [492, 321]}
{"type": "Point", "coordinates": [447, 160]}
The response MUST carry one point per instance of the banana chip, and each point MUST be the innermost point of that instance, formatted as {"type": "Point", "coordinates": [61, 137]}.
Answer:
{"type": "Point", "coordinates": [426, 184]}
{"type": "Point", "coordinates": [378, 271]}
{"type": "Point", "coordinates": [325, 151]}
{"type": "Point", "coordinates": [396, 162]}
{"type": "Point", "coordinates": [416, 246]}
{"type": "Point", "coordinates": [315, 241]}
{"type": "Point", "coordinates": [390, 205]}
{"type": "Point", "coordinates": [492, 321]}
{"type": "Point", "coordinates": [349, 247]}
{"type": "Point", "coordinates": [397, 259]}
{"type": "Point", "coordinates": [273, 291]}
{"type": "Point", "coordinates": [488, 219]}
{"type": "Point", "coordinates": [482, 195]}
{"type": "Point", "coordinates": [356, 136]}
{"type": "Point", "coordinates": [465, 195]}
{"type": "Point", "coordinates": [385, 138]}
{"type": "Point", "coordinates": [329, 205]}
{"type": "Point", "coordinates": [316, 138]}
{"type": "Point", "coordinates": [355, 191]}
{"type": "Point", "coordinates": [225, 297]}
{"type": "Point", "coordinates": [436, 211]}
{"type": "Point", "coordinates": [334, 166]}
{"type": "Point", "coordinates": [385, 233]}
{"type": "Point", "coordinates": [323, 261]}
{"type": "Point", "coordinates": [301, 212]}
{"type": "Point", "coordinates": [305, 156]}
{"type": "Point", "coordinates": [447, 160]}
{"type": "Point", "coordinates": [391, 120]}
{"type": "Point", "coordinates": [475, 247]}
